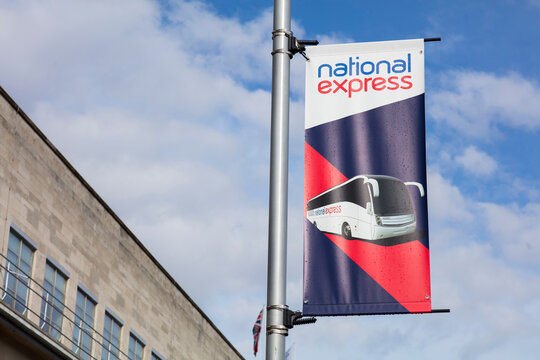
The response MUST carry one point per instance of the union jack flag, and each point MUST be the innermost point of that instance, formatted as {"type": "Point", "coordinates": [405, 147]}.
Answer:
{"type": "Point", "coordinates": [256, 332]}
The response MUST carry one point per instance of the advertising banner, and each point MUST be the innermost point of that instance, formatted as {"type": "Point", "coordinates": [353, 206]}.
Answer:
{"type": "Point", "coordinates": [366, 248]}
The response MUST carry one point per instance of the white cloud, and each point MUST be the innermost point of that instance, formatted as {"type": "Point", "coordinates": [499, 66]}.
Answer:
{"type": "Point", "coordinates": [121, 56]}
{"type": "Point", "coordinates": [529, 191]}
{"type": "Point", "coordinates": [222, 45]}
{"type": "Point", "coordinates": [446, 203]}
{"type": "Point", "coordinates": [516, 230]}
{"type": "Point", "coordinates": [479, 104]}
{"type": "Point", "coordinates": [510, 230]}
{"type": "Point", "coordinates": [477, 162]}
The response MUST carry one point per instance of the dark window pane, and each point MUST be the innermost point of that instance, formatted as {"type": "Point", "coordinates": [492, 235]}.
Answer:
{"type": "Point", "coordinates": [394, 198]}
{"type": "Point", "coordinates": [111, 334]}
{"type": "Point", "coordinates": [18, 265]}
{"type": "Point", "coordinates": [53, 301]}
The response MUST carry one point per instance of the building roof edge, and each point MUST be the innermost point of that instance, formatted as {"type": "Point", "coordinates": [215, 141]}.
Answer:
{"type": "Point", "coordinates": [62, 158]}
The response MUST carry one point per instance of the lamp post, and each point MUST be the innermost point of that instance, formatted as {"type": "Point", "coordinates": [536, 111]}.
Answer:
{"type": "Point", "coordinates": [279, 162]}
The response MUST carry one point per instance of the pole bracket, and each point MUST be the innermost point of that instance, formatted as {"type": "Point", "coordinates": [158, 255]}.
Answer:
{"type": "Point", "coordinates": [281, 329]}
{"type": "Point", "coordinates": [277, 329]}
{"type": "Point", "coordinates": [299, 46]}
{"type": "Point", "coordinates": [282, 51]}
{"type": "Point", "coordinates": [288, 34]}
{"type": "Point", "coordinates": [282, 32]}
{"type": "Point", "coordinates": [291, 318]}
{"type": "Point", "coordinates": [295, 45]}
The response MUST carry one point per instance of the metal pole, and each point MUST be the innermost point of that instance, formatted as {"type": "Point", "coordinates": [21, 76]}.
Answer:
{"type": "Point", "coordinates": [279, 162]}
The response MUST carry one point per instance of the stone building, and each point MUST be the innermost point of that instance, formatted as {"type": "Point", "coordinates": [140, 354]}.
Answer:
{"type": "Point", "coordinates": [76, 283]}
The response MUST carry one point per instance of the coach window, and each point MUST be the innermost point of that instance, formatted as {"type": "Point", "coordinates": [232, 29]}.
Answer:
{"type": "Point", "coordinates": [54, 293]}
{"type": "Point", "coordinates": [18, 269]}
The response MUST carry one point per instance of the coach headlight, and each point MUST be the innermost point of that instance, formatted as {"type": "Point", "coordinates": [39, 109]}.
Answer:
{"type": "Point", "coordinates": [378, 220]}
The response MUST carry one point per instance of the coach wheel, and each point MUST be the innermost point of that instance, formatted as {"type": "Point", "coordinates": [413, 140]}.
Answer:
{"type": "Point", "coordinates": [346, 231]}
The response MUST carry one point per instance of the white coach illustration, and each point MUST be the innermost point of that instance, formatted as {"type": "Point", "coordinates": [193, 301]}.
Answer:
{"type": "Point", "coordinates": [369, 207]}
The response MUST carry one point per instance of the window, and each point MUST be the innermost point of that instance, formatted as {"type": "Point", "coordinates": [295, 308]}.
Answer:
{"type": "Point", "coordinates": [355, 192]}
{"type": "Point", "coordinates": [83, 325]}
{"type": "Point", "coordinates": [136, 346]}
{"type": "Point", "coordinates": [18, 271]}
{"type": "Point", "coordinates": [52, 306]}
{"type": "Point", "coordinates": [394, 198]}
{"type": "Point", "coordinates": [156, 355]}
{"type": "Point", "coordinates": [111, 337]}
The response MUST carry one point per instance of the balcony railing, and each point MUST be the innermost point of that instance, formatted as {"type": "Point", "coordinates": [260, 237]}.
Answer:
{"type": "Point", "coordinates": [65, 327]}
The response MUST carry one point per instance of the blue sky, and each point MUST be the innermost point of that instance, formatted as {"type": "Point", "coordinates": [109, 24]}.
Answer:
{"type": "Point", "coordinates": [164, 107]}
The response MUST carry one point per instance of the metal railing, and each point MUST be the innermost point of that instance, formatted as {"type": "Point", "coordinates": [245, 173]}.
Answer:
{"type": "Point", "coordinates": [44, 322]}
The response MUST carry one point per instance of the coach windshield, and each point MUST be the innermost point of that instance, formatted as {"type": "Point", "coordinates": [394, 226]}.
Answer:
{"type": "Point", "coordinates": [393, 199]}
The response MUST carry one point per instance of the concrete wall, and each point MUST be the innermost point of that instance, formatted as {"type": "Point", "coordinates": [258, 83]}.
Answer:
{"type": "Point", "coordinates": [14, 346]}
{"type": "Point", "coordinates": [20, 343]}
{"type": "Point", "coordinates": [50, 203]}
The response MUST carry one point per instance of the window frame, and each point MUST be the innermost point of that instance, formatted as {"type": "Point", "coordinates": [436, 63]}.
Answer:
{"type": "Point", "coordinates": [106, 351]}
{"type": "Point", "coordinates": [137, 340]}
{"type": "Point", "coordinates": [156, 356]}
{"type": "Point", "coordinates": [87, 328]}
{"type": "Point", "coordinates": [48, 306]}
{"type": "Point", "coordinates": [19, 276]}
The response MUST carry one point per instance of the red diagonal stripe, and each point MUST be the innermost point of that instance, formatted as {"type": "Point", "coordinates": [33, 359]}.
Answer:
{"type": "Point", "coordinates": [402, 270]}
{"type": "Point", "coordinates": [319, 174]}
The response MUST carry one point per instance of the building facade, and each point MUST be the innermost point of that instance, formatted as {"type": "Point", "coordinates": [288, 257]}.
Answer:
{"type": "Point", "coordinates": [76, 283]}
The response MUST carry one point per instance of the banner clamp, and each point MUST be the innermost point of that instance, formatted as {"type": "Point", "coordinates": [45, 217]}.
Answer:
{"type": "Point", "coordinates": [290, 319]}
{"type": "Point", "coordinates": [299, 46]}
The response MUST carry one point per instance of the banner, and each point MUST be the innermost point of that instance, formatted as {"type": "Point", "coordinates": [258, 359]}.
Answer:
{"type": "Point", "coordinates": [366, 246]}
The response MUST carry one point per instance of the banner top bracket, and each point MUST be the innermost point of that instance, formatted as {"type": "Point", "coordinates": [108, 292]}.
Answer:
{"type": "Point", "coordinates": [299, 46]}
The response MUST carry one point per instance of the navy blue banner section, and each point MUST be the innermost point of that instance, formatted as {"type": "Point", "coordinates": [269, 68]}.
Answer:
{"type": "Point", "coordinates": [326, 272]}
{"type": "Point", "coordinates": [389, 140]}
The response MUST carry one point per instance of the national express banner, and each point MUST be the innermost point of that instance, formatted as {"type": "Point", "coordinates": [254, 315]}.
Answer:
{"type": "Point", "coordinates": [366, 248]}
